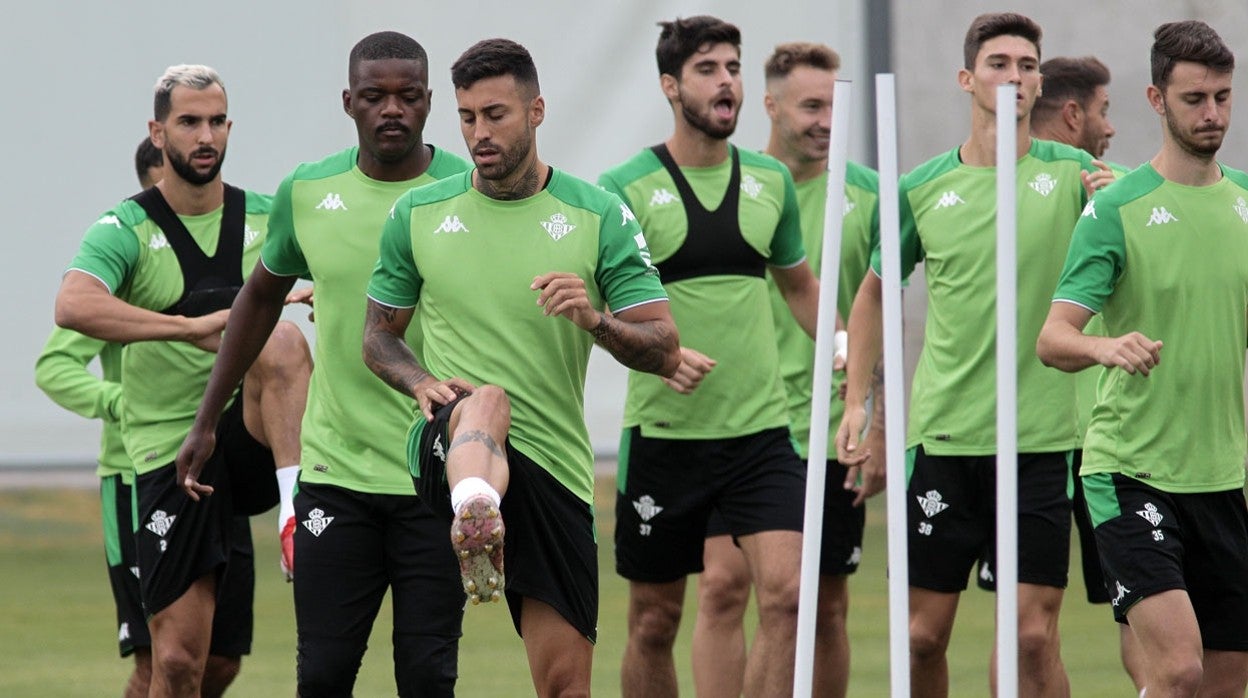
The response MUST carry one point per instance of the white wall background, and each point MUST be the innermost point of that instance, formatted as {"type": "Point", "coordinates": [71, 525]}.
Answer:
{"type": "Point", "coordinates": [78, 76]}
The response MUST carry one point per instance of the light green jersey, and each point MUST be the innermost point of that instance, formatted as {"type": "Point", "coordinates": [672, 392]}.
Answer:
{"type": "Point", "coordinates": [126, 251]}
{"type": "Point", "coordinates": [61, 372]}
{"type": "Point", "coordinates": [469, 261]}
{"type": "Point", "coordinates": [1171, 262]}
{"type": "Point", "coordinates": [860, 233]}
{"type": "Point", "coordinates": [948, 221]}
{"type": "Point", "coordinates": [326, 224]}
{"type": "Point", "coordinates": [723, 314]}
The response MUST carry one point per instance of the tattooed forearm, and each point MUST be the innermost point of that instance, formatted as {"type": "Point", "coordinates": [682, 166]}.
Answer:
{"type": "Point", "coordinates": [649, 346]}
{"type": "Point", "coordinates": [476, 435]}
{"type": "Point", "coordinates": [877, 392]}
{"type": "Point", "coordinates": [386, 352]}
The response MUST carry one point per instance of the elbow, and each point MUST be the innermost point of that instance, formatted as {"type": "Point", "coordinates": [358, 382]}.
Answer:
{"type": "Point", "coordinates": [1045, 352]}
{"type": "Point", "coordinates": [66, 315]}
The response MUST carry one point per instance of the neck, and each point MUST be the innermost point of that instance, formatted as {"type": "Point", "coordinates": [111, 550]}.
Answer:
{"type": "Point", "coordinates": [801, 168]}
{"type": "Point", "coordinates": [410, 167]}
{"type": "Point", "coordinates": [1049, 132]}
{"type": "Point", "coordinates": [521, 184]}
{"type": "Point", "coordinates": [692, 148]}
{"type": "Point", "coordinates": [1182, 167]}
{"type": "Point", "coordinates": [188, 199]}
{"type": "Point", "coordinates": [980, 149]}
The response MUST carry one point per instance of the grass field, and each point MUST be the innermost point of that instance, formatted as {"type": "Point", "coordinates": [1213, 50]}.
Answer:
{"type": "Point", "coordinates": [56, 635]}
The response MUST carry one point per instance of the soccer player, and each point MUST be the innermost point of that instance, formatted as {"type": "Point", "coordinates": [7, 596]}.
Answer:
{"type": "Point", "coordinates": [142, 277]}
{"type": "Point", "coordinates": [512, 265]}
{"type": "Point", "coordinates": [1074, 109]}
{"type": "Point", "coordinates": [362, 529]}
{"type": "Point", "coordinates": [715, 437]}
{"type": "Point", "coordinates": [61, 372]}
{"type": "Point", "coordinates": [800, 79]}
{"type": "Point", "coordinates": [948, 221]}
{"type": "Point", "coordinates": [1162, 256]}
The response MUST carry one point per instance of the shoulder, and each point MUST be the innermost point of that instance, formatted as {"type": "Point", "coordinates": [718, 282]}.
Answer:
{"type": "Point", "coordinates": [1136, 184]}
{"type": "Point", "coordinates": [329, 166]}
{"type": "Point", "coordinates": [127, 214]}
{"type": "Point", "coordinates": [1238, 177]}
{"type": "Point", "coordinates": [862, 176]}
{"type": "Point", "coordinates": [258, 203]}
{"type": "Point", "coordinates": [445, 163]}
{"type": "Point", "coordinates": [752, 158]}
{"type": "Point", "coordinates": [636, 167]}
{"type": "Point", "coordinates": [582, 194]}
{"type": "Point", "coordinates": [447, 188]}
{"type": "Point", "coordinates": [930, 170]}
{"type": "Point", "coordinates": [1052, 151]}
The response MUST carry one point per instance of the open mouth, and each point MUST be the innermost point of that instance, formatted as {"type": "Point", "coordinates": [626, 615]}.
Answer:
{"type": "Point", "coordinates": [724, 108]}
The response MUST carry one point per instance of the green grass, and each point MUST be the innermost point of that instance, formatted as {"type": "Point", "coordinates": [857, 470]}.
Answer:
{"type": "Point", "coordinates": [56, 634]}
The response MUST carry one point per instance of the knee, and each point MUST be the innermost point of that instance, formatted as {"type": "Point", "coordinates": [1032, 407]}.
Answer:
{"type": "Point", "coordinates": [653, 626]}
{"type": "Point", "coordinates": [179, 668]}
{"type": "Point", "coordinates": [489, 404]}
{"type": "Point", "coordinates": [778, 598]}
{"type": "Point", "coordinates": [426, 665]}
{"type": "Point", "coordinates": [927, 644]}
{"type": "Point", "coordinates": [563, 681]}
{"type": "Point", "coordinates": [723, 592]}
{"type": "Point", "coordinates": [286, 352]}
{"type": "Point", "coordinates": [328, 672]}
{"type": "Point", "coordinates": [833, 610]}
{"type": "Point", "coordinates": [219, 673]}
{"type": "Point", "coordinates": [1037, 644]}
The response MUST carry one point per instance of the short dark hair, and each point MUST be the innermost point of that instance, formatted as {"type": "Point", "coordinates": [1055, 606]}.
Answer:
{"type": "Point", "coordinates": [989, 26]}
{"type": "Point", "coordinates": [1067, 78]}
{"type": "Point", "coordinates": [1189, 40]}
{"type": "Point", "coordinates": [788, 56]}
{"type": "Point", "coordinates": [493, 58]}
{"type": "Point", "coordinates": [384, 45]}
{"type": "Point", "coordinates": [147, 156]}
{"type": "Point", "coordinates": [681, 38]}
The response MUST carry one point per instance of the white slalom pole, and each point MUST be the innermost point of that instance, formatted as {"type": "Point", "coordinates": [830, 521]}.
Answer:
{"type": "Point", "coordinates": [816, 460]}
{"type": "Point", "coordinates": [894, 390]}
{"type": "Point", "coordinates": [1007, 393]}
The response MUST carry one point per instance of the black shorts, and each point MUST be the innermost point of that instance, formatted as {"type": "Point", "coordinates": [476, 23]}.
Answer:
{"type": "Point", "coordinates": [550, 548]}
{"type": "Point", "coordinates": [840, 548]}
{"type": "Point", "coordinates": [234, 619]}
{"type": "Point", "coordinates": [1089, 556]}
{"type": "Point", "coordinates": [951, 504]}
{"type": "Point", "coordinates": [1153, 541]}
{"type": "Point", "coordinates": [668, 487]}
{"type": "Point", "coordinates": [350, 547]}
{"type": "Point", "coordinates": [180, 540]}
{"type": "Point", "coordinates": [117, 517]}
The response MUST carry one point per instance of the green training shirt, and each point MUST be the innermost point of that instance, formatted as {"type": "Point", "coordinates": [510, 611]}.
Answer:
{"type": "Point", "coordinates": [61, 371]}
{"type": "Point", "coordinates": [469, 261]}
{"type": "Point", "coordinates": [948, 221]}
{"type": "Point", "coordinates": [1171, 262]}
{"type": "Point", "coordinates": [140, 268]}
{"type": "Point", "coordinates": [859, 234]}
{"type": "Point", "coordinates": [326, 224]}
{"type": "Point", "coordinates": [726, 317]}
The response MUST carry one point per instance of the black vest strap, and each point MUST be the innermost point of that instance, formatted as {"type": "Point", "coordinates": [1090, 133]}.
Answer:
{"type": "Point", "coordinates": [714, 245]}
{"type": "Point", "coordinates": [209, 284]}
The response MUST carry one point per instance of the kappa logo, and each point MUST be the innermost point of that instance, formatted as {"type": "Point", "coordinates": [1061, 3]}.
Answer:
{"type": "Point", "coordinates": [1122, 593]}
{"type": "Point", "coordinates": [332, 202]}
{"type": "Point", "coordinates": [438, 450]}
{"type": "Point", "coordinates": [317, 522]}
{"type": "Point", "coordinates": [949, 198]}
{"type": "Point", "coordinates": [158, 242]}
{"type": "Point", "coordinates": [751, 186]}
{"type": "Point", "coordinates": [249, 235]}
{"type": "Point", "coordinates": [643, 248]}
{"type": "Point", "coordinates": [985, 573]}
{"type": "Point", "coordinates": [558, 226]}
{"type": "Point", "coordinates": [662, 197]}
{"type": "Point", "coordinates": [855, 556]}
{"type": "Point", "coordinates": [849, 206]}
{"type": "Point", "coordinates": [1089, 210]}
{"type": "Point", "coordinates": [626, 214]}
{"type": "Point", "coordinates": [451, 224]}
{"type": "Point", "coordinates": [1150, 514]}
{"type": "Point", "coordinates": [931, 503]}
{"type": "Point", "coordinates": [1241, 207]}
{"type": "Point", "coordinates": [135, 571]}
{"type": "Point", "coordinates": [113, 220]}
{"type": "Point", "coordinates": [1043, 183]}
{"type": "Point", "coordinates": [1160, 216]}
{"type": "Point", "coordinates": [160, 523]}
{"type": "Point", "coordinates": [123, 633]}
{"type": "Point", "coordinates": [646, 509]}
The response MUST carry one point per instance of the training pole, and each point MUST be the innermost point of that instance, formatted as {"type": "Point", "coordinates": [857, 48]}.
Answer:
{"type": "Point", "coordinates": [816, 459]}
{"type": "Point", "coordinates": [894, 388]}
{"type": "Point", "coordinates": [1007, 394]}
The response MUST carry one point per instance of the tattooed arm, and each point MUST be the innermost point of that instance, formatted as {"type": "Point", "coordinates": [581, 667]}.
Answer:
{"type": "Point", "coordinates": [873, 469]}
{"type": "Point", "coordinates": [642, 338]}
{"type": "Point", "coordinates": [386, 354]}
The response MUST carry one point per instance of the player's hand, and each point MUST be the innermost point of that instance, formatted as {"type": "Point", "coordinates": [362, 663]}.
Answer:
{"type": "Point", "coordinates": [194, 453]}
{"type": "Point", "coordinates": [1097, 179]}
{"type": "Point", "coordinates": [302, 295]}
{"type": "Point", "coordinates": [694, 365]}
{"type": "Point", "coordinates": [1132, 352]}
{"type": "Point", "coordinates": [205, 331]}
{"type": "Point", "coordinates": [869, 479]}
{"type": "Point", "coordinates": [564, 294]}
{"type": "Point", "coordinates": [432, 393]}
{"type": "Point", "coordinates": [849, 452]}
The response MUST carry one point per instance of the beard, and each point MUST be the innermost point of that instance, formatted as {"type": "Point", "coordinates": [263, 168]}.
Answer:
{"type": "Point", "coordinates": [1191, 146]}
{"type": "Point", "coordinates": [182, 165]}
{"type": "Point", "coordinates": [704, 123]}
{"type": "Point", "coordinates": [509, 159]}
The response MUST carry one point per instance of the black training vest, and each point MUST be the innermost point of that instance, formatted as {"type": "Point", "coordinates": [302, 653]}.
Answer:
{"type": "Point", "coordinates": [714, 245]}
{"type": "Point", "coordinates": [209, 284]}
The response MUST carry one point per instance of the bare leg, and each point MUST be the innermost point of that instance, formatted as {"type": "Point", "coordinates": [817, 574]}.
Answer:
{"type": "Point", "coordinates": [275, 391]}
{"type": "Point", "coordinates": [774, 558]}
{"type": "Point", "coordinates": [181, 633]}
{"type": "Point", "coordinates": [831, 671]}
{"type": "Point", "coordinates": [1226, 674]}
{"type": "Point", "coordinates": [648, 670]}
{"type": "Point", "coordinates": [478, 430]}
{"type": "Point", "coordinates": [1165, 625]}
{"type": "Point", "coordinates": [141, 677]}
{"type": "Point", "coordinates": [931, 625]}
{"type": "Point", "coordinates": [560, 658]}
{"type": "Point", "coordinates": [1040, 670]}
{"type": "Point", "coordinates": [1132, 656]}
{"type": "Point", "coordinates": [718, 634]}
{"type": "Point", "coordinates": [219, 673]}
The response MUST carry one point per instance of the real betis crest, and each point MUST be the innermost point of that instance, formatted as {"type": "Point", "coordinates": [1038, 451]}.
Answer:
{"type": "Point", "coordinates": [1043, 183]}
{"type": "Point", "coordinates": [558, 226]}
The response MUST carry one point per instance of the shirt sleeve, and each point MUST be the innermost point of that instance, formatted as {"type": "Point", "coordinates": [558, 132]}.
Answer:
{"type": "Point", "coordinates": [109, 251]}
{"type": "Point", "coordinates": [787, 249]}
{"type": "Point", "coordinates": [61, 373]}
{"type": "Point", "coordinates": [911, 245]}
{"type": "Point", "coordinates": [281, 253]}
{"type": "Point", "coordinates": [396, 282]}
{"type": "Point", "coordinates": [1096, 258]}
{"type": "Point", "coordinates": [625, 275]}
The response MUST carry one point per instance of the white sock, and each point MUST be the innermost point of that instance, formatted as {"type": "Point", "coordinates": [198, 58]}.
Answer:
{"type": "Point", "coordinates": [286, 478]}
{"type": "Point", "coordinates": [471, 487]}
